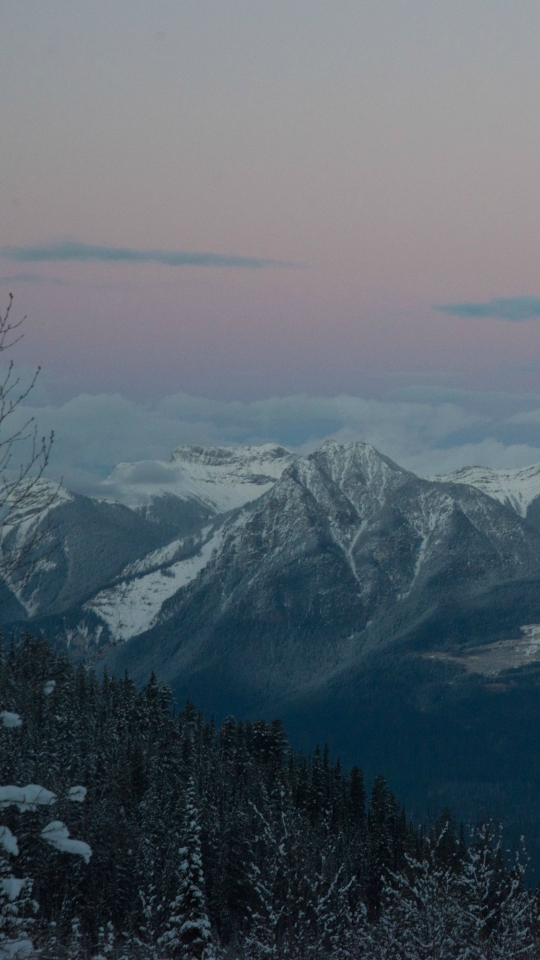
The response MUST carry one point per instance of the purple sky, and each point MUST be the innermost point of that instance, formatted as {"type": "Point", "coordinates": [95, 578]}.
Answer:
{"type": "Point", "coordinates": [387, 149]}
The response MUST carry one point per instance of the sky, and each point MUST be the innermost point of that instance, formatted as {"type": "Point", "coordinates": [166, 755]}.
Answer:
{"type": "Point", "coordinates": [241, 221]}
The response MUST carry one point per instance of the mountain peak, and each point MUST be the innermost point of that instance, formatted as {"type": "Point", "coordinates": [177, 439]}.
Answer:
{"type": "Point", "coordinates": [356, 463]}
{"type": "Point", "coordinates": [227, 456]}
{"type": "Point", "coordinates": [220, 478]}
{"type": "Point", "coordinates": [516, 488]}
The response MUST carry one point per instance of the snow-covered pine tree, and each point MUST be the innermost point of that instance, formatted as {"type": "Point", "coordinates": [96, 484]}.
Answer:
{"type": "Point", "coordinates": [188, 935]}
{"type": "Point", "coordinates": [16, 905]}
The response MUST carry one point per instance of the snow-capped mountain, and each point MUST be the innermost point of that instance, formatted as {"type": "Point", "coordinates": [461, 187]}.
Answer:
{"type": "Point", "coordinates": [369, 535]}
{"type": "Point", "coordinates": [395, 617]}
{"type": "Point", "coordinates": [517, 488]}
{"type": "Point", "coordinates": [113, 571]}
{"type": "Point", "coordinates": [122, 558]}
{"type": "Point", "coordinates": [345, 555]}
{"type": "Point", "coordinates": [70, 546]}
{"type": "Point", "coordinates": [363, 605]}
{"type": "Point", "coordinates": [218, 478]}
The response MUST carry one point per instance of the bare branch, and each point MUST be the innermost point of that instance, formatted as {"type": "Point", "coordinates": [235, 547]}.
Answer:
{"type": "Point", "coordinates": [26, 498]}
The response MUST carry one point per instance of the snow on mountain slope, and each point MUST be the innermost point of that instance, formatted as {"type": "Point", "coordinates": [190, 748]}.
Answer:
{"type": "Point", "coordinates": [25, 542]}
{"type": "Point", "coordinates": [42, 496]}
{"type": "Point", "coordinates": [131, 606]}
{"type": "Point", "coordinates": [346, 552]}
{"type": "Point", "coordinates": [163, 556]}
{"type": "Point", "coordinates": [221, 478]}
{"type": "Point", "coordinates": [515, 488]}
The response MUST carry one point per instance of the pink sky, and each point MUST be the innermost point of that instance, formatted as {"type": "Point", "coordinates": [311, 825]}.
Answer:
{"type": "Point", "coordinates": [391, 147]}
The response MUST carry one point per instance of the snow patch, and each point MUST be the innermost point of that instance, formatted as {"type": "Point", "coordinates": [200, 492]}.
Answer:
{"type": "Point", "coordinates": [132, 606]}
{"type": "Point", "coordinates": [57, 834]}
{"type": "Point", "coordinates": [222, 478]}
{"type": "Point", "coordinates": [157, 558]}
{"type": "Point", "coordinates": [77, 794]}
{"type": "Point", "coordinates": [8, 841]}
{"type": "Point", "coordinates": [515, 488]}
{"type": "Point", "coordinates": [12, 887]}
{"type": "Point", "coordinates": [16, 950]}
{"type": "Point", "coordinates": [26, 798]}
{"type": "Point", "coordinates": [10, 719]}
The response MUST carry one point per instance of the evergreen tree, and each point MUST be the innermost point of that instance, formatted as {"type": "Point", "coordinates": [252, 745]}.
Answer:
{"type": "Point", "coordinates": [379, 842]}
{"type": "Point", "coordinates": [223, 842]}
{"type": "Point", "coordinates": [188, 934]}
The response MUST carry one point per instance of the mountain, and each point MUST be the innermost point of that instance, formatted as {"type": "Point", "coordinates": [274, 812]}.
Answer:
{"type": "Point", "coordinates": [70, 546]}
{"type": "Point", "coordinates": [518, 489]}
{"type": "Point", "coordinates": [345, 555]}
{"type": "Point", "coordinates": [218, 479]}
{"type": "Point", "coordinates": [394, 617]}
{"type": "Point", "coordinates": [102, 567]}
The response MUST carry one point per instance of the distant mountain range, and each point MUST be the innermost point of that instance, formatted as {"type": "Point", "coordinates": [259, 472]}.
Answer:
{"type": "Point", "coordinates": [397, 618]}
{"type": "Point", "coordinates": [519, 489]}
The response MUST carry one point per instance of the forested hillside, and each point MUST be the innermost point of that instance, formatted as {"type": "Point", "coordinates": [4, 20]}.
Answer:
{"type": "Point", "coordinates": [220, 842]}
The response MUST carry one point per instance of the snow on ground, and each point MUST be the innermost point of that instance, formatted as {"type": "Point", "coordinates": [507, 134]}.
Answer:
{"type": "Point", "coordinates": [40, 497]}
{"type": "Point", "coordinates": [531, 632]}
{"type": "Point", "coordinates": [516, 488]}
{"type": "Point", "coordinates": [131, 607]}
{"type": "Point", "coordinates": [222, 478]}
{"type": "Point", "coordinates": [23, 528]}
{"type": "Point", "coordinates": [491, 659]}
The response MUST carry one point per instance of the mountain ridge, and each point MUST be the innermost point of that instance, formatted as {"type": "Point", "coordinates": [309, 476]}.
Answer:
{"type": "Point", "coordinates": [392, 616]}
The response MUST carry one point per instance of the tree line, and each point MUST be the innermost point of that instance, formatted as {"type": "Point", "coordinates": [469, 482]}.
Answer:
{"type": "Point", "coordinates": [191, 841]}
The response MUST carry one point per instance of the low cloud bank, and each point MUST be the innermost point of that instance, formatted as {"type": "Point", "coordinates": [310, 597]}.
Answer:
{"type": "Point", "coordinates": [93, 432]}
{"type": "Point", "coordinates": [515, 309]}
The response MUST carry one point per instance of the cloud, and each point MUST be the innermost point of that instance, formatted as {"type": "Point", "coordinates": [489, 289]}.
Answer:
{"type": "Point", "coordinates": [526, 417]}
{"type": "Point", "coordinates": [29, 278]}
{"type": "Point", "coordinates": [509, 308]}
{"type": "Point", "coordinates": [69, 250]}
{"type": "Point", "coordinates": [93, 432]}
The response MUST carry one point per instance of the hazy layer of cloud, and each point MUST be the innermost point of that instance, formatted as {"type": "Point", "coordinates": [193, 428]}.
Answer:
{"type": "Point", "coordinates": [33, 278]}
{"type": "Point", "coordinates": [509, 308]}
{"type": "Point", "coordinates": [69, 250]}
{"type": "Point", "coordinates": [93, 432]}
